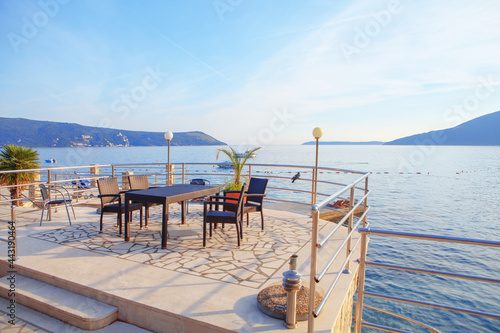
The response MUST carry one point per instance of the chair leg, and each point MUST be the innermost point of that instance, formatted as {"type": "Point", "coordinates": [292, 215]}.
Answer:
{"type": "Point", "coordinates": [238, 230]}
{"type": "Point", "coordinates": [73, 209]}
{"type": "Point", "coordinates": [67, 211]}
{"type": "Point", "coordinates": [100, 230]}
{"type": "Point", "coordinates": [204, 234]}
{"type": "Point", "coordinates": [119, 221]}
{"type": "Point", "coordinates": [262, 218]}
{"type": "Point", "coordinates": [247, 219]}
{"type": "Point", "coordinates": [41, 217]}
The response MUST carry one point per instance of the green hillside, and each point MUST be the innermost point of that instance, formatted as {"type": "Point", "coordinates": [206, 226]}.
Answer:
{"type": "Point", "coordinates": [34, 133]}
{"type": "Point", "coordinates": [480, 131]}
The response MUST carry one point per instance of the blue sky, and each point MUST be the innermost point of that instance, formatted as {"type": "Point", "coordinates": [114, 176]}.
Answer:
{"type": "Point", "coordinates": [252, 72]}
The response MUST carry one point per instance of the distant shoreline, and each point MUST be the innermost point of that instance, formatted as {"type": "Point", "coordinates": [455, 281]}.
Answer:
{"type": "Point", "coordinates": [345, 143]}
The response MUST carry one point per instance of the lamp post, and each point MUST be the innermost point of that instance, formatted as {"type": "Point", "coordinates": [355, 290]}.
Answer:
{"type": "Point", "coordinates": [317, 133]}
{"type": "Point", "coordinates": [168, 135]}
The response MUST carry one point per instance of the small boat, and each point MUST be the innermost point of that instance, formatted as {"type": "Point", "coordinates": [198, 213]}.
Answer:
{"type": "Point", "coordinates": [225, 165]}
{"type": "Point", "coordinates": [241, 155]}
{"type": "Point", "coordinates": [52, 160]}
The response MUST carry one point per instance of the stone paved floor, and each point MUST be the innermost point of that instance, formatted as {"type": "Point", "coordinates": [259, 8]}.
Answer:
{"type": "Point", "coordinates": [260, 255]}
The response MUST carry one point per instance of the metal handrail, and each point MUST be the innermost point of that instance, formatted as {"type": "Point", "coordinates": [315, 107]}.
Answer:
{"type": "Point", "coordinates": [316, 246]}
{"type": "Point", "coordinates": [358, 321]}
{"type": "Point", "coordinates": [12, 239]}
{"type": "Point", "coordinates": [433, 272]}
{"type": "Point", "coordinates": [434, 305]}
{"type": "Point", "coordinates": [432, 329]}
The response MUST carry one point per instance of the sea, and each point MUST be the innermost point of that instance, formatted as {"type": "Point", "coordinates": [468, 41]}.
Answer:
{"type": "Point", "coordinates": [439, 190]}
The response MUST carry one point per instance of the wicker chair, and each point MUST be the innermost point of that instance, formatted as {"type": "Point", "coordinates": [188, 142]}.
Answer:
{"type": "Point", "coordinates": [211, 216]}
{"type": "Point", "coordinates": [255, 196]}
{"type": "Point", "coordinates": [141, 182]}
{"type": "Point", "coordinates": [66, 199]}
{"type": "Point", "coordinates": [111, 201]}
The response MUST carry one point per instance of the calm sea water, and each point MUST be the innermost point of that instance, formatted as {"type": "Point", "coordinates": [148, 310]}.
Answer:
{"type": "Point", "coordinates": [450, 191]}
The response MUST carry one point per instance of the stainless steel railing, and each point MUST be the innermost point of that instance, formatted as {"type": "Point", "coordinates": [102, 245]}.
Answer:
{"type": "Point", "coordinates": [346, 246]}
{"type": "Point", "coordinates": [11, 239]}
{"type": "Point", "coordinates": [358, 319]}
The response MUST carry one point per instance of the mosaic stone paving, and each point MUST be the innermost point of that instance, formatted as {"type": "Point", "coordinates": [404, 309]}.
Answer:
{"type": "Point", "coordinates": [261, 252]}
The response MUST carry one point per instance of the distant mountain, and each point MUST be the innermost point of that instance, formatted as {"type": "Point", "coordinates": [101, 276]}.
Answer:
{"type": "Point", "coordinates": [34, 133]}
{"type": "Point", "coordinates": [333, 143]}
{"type": "Point", "coordinates": [480, 131]}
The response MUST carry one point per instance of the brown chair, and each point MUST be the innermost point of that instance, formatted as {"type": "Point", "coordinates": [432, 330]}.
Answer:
{"type": "Point", "coordinates": [211, 216]}
{"type": "Point", "coordinates": [141, 182]}
{"type": "Point", "coordinates": [111, 201]}
{"type": "Point", "coordinates": [255, 196]}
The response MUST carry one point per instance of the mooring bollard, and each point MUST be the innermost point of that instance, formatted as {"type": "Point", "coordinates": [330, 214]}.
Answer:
{"type": "Point", "coordinates": [292, 284]}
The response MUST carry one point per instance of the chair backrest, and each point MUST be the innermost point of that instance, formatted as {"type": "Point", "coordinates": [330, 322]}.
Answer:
{"type": "Point", "coordinates": [199, 181]}
{"type": "Point", "coordinates": [108, 186]}
{"type": "Point", "coordinates": [45, 192]}
{"type": "Point", "coordinates": [239, 210]}
{"type": "Point", "coordinates": [138, 182]}
{"type": "Point", "coordinates": [256, 186]}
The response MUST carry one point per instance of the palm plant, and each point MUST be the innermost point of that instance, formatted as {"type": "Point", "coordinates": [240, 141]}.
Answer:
{"type": "Point", "coordinates": [14, 157]}
{"type": "Point", "coordinates": [238, 162]}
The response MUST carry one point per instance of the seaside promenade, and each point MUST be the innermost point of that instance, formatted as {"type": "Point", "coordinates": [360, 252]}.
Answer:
{"type": "Point", "coordinates": [186, 288]}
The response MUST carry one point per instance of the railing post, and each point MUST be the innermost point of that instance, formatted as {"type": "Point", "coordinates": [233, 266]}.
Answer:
{"type": "Point", "coordinates": [112, 171]}
{"type": "Point", "coordinates": [366, 191]}
{"type": "Point", "coordinates": [183, 175]}
{"type": "Point", "coordinates": [249, 172]}
{"type": "Point", "coordinates": [49, 209]}
{"type": "Point", "coordinates": [313, 189]}
{"type": "Point", "coordinates": [13, 230]}
{"type": "Point", "coordinates": [358, 318]}
{"type": "Point", "coordinates": [312, 273]}
{"type": "Point", "coordinates": [349, 229]}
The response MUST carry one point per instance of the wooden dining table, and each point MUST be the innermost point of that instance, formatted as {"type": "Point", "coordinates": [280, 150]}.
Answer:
{"type": "Point", "coordinates": [165, 196]}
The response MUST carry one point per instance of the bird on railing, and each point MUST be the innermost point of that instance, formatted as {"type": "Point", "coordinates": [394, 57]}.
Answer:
{"type": "Point", "coordinates": [297, 176]}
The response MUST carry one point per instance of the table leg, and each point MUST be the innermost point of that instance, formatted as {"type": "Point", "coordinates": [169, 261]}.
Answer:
{"type": "Point", "coordinates": [164, 221]}
{"type": "Point", "coordinates": [127, 229]}
{"type": "Point", "coordinates": [183, 212]}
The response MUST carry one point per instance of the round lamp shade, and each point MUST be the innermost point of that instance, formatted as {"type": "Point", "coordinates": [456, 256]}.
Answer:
{"type": "Point", "coordinates": [318, 132]}
{"type": "Point", "coordinates": [169, 135]}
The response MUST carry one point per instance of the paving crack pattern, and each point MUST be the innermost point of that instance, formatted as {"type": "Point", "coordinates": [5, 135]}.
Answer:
{"type": "Point", "coordinates": [260, 255]}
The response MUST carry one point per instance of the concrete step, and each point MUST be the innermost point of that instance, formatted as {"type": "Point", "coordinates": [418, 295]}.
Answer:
{"type": "Point", "coordinates": [77, 310]}
{"type": "Point", "coordinates": [30, 321]}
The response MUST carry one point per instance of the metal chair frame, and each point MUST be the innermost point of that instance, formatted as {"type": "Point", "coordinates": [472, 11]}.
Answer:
{"type": "Point", "coordinates": [66, 199]}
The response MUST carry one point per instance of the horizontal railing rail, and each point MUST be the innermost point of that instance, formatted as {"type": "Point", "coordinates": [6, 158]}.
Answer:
{"type": "Point", "coordinates": [278, 174]}
{"type": "Point", "coordinates": [358, 319]}
{"type": "Point", "coordinates": [389, 329]}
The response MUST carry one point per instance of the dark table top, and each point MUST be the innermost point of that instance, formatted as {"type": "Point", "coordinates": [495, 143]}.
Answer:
{"type": "Point", "coordinates": [173, 193]}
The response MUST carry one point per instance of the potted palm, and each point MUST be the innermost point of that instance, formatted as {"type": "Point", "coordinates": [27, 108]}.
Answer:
{"type": "Point", "coordinates": [238, 161]}
{"type": "Point", "coordinates": [14, 157]}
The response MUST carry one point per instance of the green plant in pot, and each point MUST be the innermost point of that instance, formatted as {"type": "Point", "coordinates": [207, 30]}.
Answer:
{"type": "Point", "coordinates": [14, 157]}
{"type": "Point", "coordinates": [238, 161]}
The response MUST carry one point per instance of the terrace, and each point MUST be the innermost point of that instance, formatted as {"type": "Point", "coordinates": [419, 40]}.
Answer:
{"type": "Point", "coordinates": [187, 287]}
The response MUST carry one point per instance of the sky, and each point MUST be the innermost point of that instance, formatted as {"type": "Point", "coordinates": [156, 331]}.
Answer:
{"type": "Point", "coordinates": [254, 72]}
